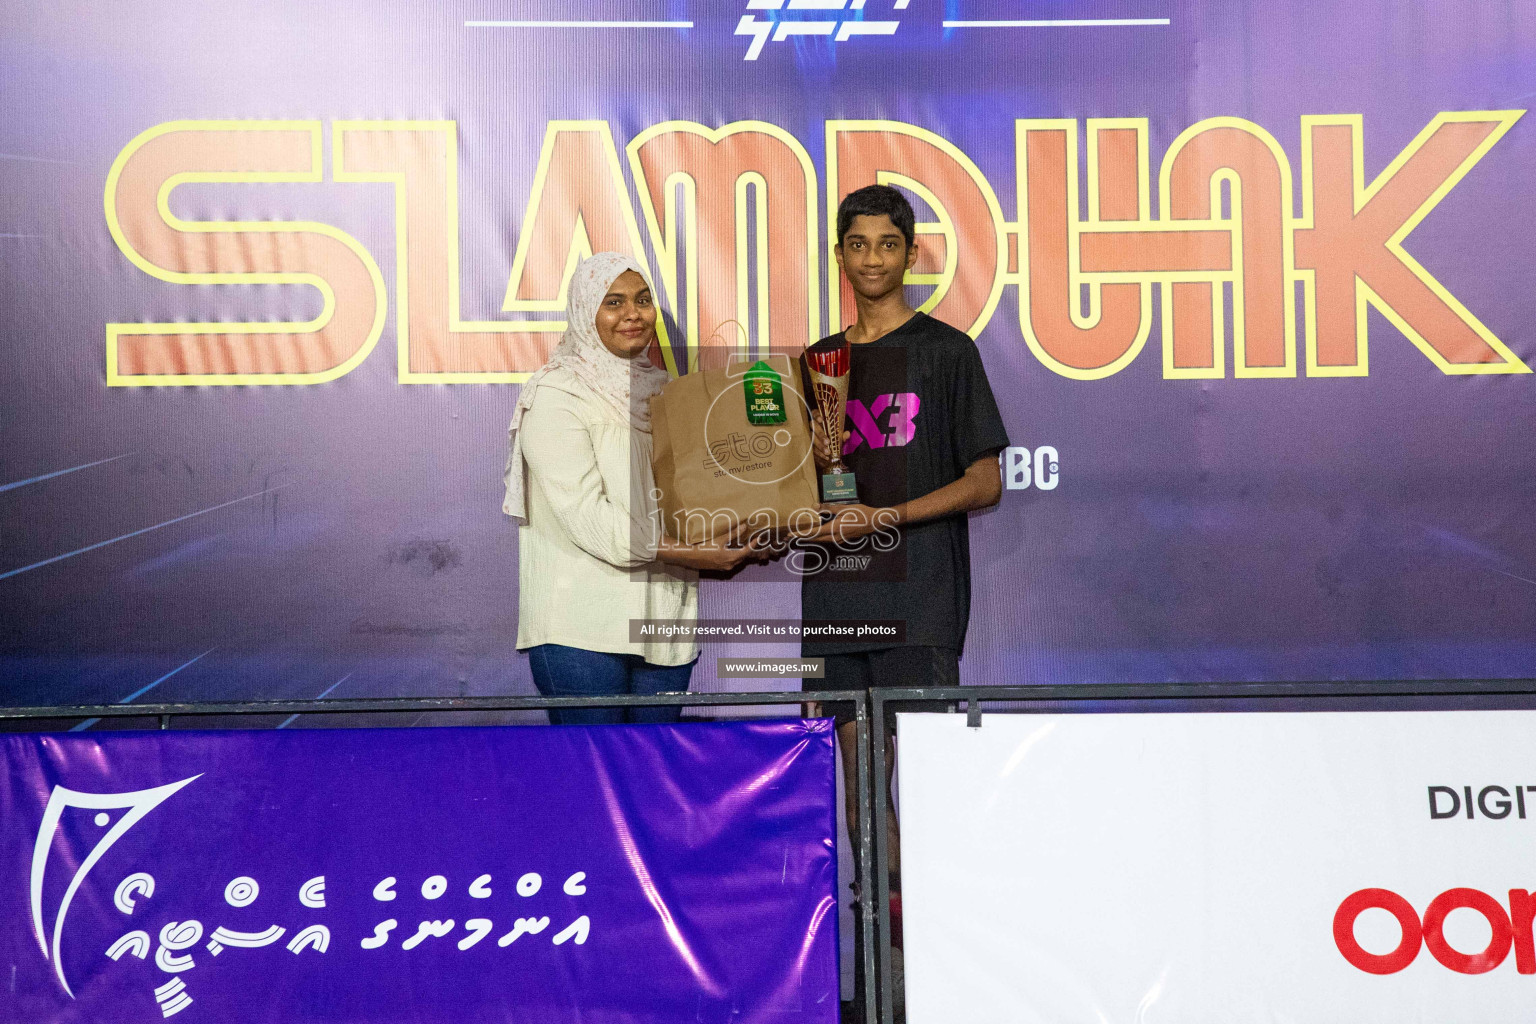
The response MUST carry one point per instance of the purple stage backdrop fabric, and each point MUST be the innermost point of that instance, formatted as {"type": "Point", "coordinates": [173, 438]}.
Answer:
{"type": "Point", "coordinates": [1253, 281]}
{"type": "Point", "coordinates": [598, 874]}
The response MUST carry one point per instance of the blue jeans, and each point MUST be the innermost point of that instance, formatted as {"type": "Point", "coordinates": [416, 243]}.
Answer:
{"type": "Point", "coordinates": [560, 671]}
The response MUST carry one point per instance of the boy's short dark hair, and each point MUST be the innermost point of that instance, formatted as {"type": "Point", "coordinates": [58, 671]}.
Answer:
{"type": "Point", "coordinates": [876, 201]}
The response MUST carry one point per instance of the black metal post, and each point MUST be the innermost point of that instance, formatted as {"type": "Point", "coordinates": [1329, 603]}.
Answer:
{"type": "Point", "coordinates": [880, 794]}
{"type": "Point", "coordinates": [866, 872]}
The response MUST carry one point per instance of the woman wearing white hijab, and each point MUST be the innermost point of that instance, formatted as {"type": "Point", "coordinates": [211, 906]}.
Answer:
{"type": "Point", "coordinates": [591, 554]}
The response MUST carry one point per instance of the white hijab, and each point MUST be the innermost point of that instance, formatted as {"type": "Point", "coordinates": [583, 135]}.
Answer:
{"type": "Point", "coordinates": [626, 384]}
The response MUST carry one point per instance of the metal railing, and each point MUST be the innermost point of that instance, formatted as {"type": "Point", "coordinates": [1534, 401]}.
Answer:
{"type": "Point", "coordinates": [872, 857]}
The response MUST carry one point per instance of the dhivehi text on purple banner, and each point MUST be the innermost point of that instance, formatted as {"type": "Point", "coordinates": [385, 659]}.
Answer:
{"type": "Point", "coordinates": [594, 874]}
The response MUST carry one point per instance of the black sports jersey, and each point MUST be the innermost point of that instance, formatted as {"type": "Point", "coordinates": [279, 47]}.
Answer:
{"type": "Point", "coordinates": [920, 411]}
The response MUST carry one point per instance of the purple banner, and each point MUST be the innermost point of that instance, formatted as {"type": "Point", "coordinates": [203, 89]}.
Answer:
{"type": "Point", "coordinates": [592, 874]}
{"type": "Point", "coordinates": [1251, 280]}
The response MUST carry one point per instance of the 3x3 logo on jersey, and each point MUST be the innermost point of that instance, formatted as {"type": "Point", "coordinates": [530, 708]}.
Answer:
{"type": "Point", "coordinates": [865, 427]}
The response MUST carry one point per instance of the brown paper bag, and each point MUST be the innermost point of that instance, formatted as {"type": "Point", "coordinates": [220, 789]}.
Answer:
{"type": "Point", "coordinates": [717, 464]}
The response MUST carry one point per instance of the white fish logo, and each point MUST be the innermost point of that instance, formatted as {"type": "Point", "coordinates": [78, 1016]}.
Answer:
{"type": "Point", "coordinates": [137, 804]}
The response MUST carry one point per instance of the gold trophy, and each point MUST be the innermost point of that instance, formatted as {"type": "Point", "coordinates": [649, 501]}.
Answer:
{"type": "Point", "coordinates": [828, 363]}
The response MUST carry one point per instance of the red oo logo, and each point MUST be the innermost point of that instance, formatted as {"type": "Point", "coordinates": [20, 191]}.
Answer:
{"type": "Point", "coordinates": [1512, 929]}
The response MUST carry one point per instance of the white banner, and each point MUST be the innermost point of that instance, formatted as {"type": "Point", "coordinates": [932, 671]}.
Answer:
{"type": "Point", "coordinates": [1220, 868]}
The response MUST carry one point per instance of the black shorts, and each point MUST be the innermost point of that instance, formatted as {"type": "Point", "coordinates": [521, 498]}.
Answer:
{"type": "Point", "coordinates": [906, 667]}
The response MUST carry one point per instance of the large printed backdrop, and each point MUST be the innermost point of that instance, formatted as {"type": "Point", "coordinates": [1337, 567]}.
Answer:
{"type": "Point", "coordinates": [1256, 277]}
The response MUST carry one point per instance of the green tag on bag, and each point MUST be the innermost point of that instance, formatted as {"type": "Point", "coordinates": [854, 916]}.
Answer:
{"type": "Point", "coordinates": [765, 395]}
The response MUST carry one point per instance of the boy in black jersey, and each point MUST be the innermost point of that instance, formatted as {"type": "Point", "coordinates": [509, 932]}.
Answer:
{"type": "Point", "coordinates": [922, 438]}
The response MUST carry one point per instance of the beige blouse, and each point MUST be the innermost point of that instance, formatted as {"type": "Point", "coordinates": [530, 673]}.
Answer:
{"type": "Point", "coordinates": [587, 550]}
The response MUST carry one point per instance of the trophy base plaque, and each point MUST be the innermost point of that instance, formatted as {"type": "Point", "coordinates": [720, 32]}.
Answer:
{"type": "Point", "coordinates": [839, 489]}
